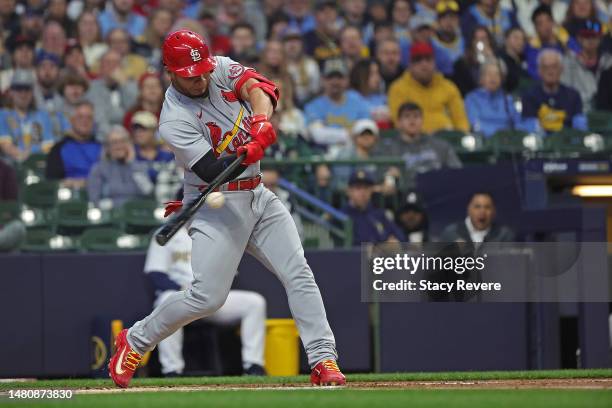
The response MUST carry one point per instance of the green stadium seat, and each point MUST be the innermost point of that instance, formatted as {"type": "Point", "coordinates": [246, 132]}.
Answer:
{"type": "Point", "coordinates": [38, 218]}
{"type": "Point", "coordinates": [573, 141]}
{"type": "Point", "coordinates": [461, 141]}
{"type": "Point", "coordinates": [111, 240]}
{"type": "Point", "coordinates": [74, 216]}
{"type": "Point", "coordinates": [41, 240]}
{"type": "Point", "coordinates": [139, 216]}
{"type": "Point", "coordinates": [33, 168]}
{"type": "Point", "coordinates": [600, 121]}
{"type": "Point", "coordinates": [512, 141]}
{"type": "Point", "coordinates": [9, 210]}
{"type": "Point", "coordinates": [41, 195]}
{"type": "Point", "coordinates": [65, 194]}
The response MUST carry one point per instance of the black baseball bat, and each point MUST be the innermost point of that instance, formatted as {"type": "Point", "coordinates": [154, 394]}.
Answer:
{"type": "Point", "coordinates": [170, 228]}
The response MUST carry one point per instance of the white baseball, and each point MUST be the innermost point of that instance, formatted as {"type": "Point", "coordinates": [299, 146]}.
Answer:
{"type": "Point", "coordinates": [215, 199]}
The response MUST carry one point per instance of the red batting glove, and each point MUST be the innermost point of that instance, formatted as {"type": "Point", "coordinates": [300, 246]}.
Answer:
{"type": "Point", "coordinates": [254, 152]}
{"type": "Point", "coordinates": [262, 131]}
{"type": "Point", "coordinates": [171, 207]}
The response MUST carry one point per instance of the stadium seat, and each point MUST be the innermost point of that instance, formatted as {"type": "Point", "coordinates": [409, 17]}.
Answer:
{"type": "Point", "coordinates": [110, 240]}
{"type": "Point", "coordinates": [38, 218]}
{"type": "Point", "coordinates": [41, 240]}
{"type": "Point", "coordinates": [139, 216]}
{"type": "Point", "coordinates": [41, 195]}
{"type": "Point", "coordinates": [33, 168]}
{"type": "Point", "coordinates": [74, 216]}
{"type": "Point", "coordinates": [573, 141]}
{"type": "Point", "coordinates": [461, 141]}
{"type": "Point", "coordinates": [512, 141]}
{"type": "Point", "coordinates": [600, 121]}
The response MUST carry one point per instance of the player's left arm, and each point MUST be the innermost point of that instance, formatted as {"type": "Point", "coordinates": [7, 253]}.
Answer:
{"type": "Point", "coordinates": [260, 100]}
{"type": "Point", "coordinates": [262, 94]}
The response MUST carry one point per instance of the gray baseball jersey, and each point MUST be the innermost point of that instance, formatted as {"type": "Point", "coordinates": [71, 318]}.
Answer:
{"type": "Point", "coordinates": [219, 121]}
{"type": "Point", "coordinates": [254, 221]}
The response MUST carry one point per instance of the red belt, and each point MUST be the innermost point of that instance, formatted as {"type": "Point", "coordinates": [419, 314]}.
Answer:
{"type": "Point", "coordinates": [237, 185]}
{"type": "Point", "coordinates": [242, 184]}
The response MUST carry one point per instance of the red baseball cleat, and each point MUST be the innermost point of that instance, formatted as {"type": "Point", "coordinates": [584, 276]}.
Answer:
{"type": "Point", "coordinates": [327, 373]}
{"type": "Point", "coordinates": [124, 362]}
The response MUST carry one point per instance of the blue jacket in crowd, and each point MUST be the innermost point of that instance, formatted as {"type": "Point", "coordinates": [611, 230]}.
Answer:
{"type": "Point", "coordinates": [371, 225]}
{"type": "Point", "coordinates": [488, 113]}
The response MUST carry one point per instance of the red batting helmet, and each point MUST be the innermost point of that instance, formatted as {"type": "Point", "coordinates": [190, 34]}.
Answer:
{"type": "Point", "coordinates": [186, 54]}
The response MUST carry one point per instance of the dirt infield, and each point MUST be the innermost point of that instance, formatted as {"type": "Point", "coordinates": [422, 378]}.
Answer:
{"type": "Point", "coordinates": [572, 383]}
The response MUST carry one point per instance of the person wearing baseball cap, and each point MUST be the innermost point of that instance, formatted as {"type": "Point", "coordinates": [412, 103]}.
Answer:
{"type": "Point", "coordinates": [330, 115]}
{"type": "Point", "coordinates": [23, 128]}
{"type": "Point", "coordinates": [47, 79]}
{"type": "Point", "coordinates": [146, 146]}
{"type": "Point", "coordinates": [582, 70]}
{"type": "Point", "coordinates": [448, 34]}
{"type": "Point", "coordinates": [370, 224]}
{"type": "Point", "coordinates": [412, 218]}
{"type": "Point", "coordinates": [422, 30]}
{"type": "Point", "coordinates": [439, 98]}
{"type": "Point", "coordinates": [364, 135]}
{"type": "Point", "coordinates": [46, 91]}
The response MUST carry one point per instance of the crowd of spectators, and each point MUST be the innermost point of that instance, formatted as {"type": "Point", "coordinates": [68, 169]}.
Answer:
{"type": "Point", "coordinates": [83, 81]}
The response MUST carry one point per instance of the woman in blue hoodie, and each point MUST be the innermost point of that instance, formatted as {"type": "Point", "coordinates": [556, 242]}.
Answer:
{"type": "Point", "coordinates": [486, 108]}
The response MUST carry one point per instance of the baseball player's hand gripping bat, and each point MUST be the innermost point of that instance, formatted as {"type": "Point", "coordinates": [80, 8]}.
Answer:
{"type": "Point", "coordinates": [170, 228]}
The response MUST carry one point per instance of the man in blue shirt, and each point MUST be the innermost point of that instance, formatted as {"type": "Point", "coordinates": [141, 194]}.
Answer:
{"type": "Point", "coordinates": [147, 147]}
{"type": "Point", "coordinates": [370, 224]}
{"type": "Point", "coordinates": [118, 14]}
{"type": "Point", "coordinates": [72, 158]}
{"type": "Point", "coordinates": [553, 104]}
{"type": "Point", "coordinates": [448, 35]}
{"type": "Point", "coordinates": [491, 14]}
{"type": "Point", "coordinates": [331, 115]}
{"type": "Point", "coordinates": [300, 15]}
{"type": "Point", "coordinates": [46, 91]}
{"type": "Point", "coordinates": [24, 129]}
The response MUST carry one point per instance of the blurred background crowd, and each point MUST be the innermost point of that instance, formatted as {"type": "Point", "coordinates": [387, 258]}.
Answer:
{"type": "Point", "coordinates": [419, 82]}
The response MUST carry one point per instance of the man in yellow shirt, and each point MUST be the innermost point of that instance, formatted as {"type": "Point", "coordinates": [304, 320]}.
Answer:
{"type": "Point", "coordinates": [438, 97]}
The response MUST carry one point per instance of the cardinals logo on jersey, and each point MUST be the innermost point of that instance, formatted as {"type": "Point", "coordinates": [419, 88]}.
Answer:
{"type": "Point", "coordinates": [215, 134]}
{"type": "Point", "coordinates": [232, 139]}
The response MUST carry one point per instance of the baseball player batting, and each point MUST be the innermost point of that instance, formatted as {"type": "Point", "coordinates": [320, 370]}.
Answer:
{"type": "Point", "coordinates": [214, 110]}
